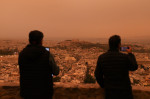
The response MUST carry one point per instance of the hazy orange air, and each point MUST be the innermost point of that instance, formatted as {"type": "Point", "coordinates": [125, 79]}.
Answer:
{"type": "Point", "coordinates": [75, 18]}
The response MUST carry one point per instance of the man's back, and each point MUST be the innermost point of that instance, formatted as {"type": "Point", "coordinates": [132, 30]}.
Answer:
{"type": "Point", "coordinates": [112, 70]}
{"type": "Point", "coordinates": [35, 71]}
{"type": "Point", "coordinates": [115, 66]}
{"type": "Point", "coordinates": [112, 73]}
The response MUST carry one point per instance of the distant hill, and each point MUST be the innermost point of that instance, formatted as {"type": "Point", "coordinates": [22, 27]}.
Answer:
{"type": "Point", "coordinates": [73, 44]}
{"type": "Point", "coordinates": [80, 44]}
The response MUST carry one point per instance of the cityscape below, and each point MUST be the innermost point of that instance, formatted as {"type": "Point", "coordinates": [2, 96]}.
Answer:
{"type": "Point", "coordinates": [76, 58]}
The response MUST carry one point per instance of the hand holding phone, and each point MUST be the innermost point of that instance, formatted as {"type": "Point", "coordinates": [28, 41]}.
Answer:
{"type": "Point", "coordinates": [129, 50]}
{"type": "Point", "coordinates": [124, 48]}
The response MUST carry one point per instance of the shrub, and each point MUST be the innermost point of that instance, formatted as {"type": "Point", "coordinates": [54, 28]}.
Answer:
{"type": "Point", "coordinates": [89, 79]}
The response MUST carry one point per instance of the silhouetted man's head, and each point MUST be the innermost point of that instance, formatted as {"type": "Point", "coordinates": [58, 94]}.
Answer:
{"type": "Point", "coordinates": [114, 42]}
{"type": "Point", "coordinates": [36, 37]}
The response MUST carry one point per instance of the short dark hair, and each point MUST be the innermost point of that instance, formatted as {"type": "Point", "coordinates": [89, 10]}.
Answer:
{"type": "Point", "coordinates": [114, 41]}
{"type": "Point", "coordinates": [35, 36]}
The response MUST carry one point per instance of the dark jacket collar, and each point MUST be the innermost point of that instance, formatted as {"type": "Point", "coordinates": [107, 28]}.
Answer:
{"type": "Point", "coordinates": [113, 50]}
{"type": "Point", "coordinates": [29, 45]}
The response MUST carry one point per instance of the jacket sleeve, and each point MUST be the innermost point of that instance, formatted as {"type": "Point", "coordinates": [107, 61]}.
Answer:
{"type": "Point", "coordinates": [55, 68]}
{"type": "Point", "coordinates": [132, 62]}
{"type": "Point", "coordinates": [99, 74]}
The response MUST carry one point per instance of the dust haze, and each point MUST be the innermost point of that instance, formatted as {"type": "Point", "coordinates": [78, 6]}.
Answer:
{"type": "Point", "coordinates": [75, 18]}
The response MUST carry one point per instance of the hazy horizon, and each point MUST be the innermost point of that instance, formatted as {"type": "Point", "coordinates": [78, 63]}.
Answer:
{"type": "Point", "coordinates": [75, 18]}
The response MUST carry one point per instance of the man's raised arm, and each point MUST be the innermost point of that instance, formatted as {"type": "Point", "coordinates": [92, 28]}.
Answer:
{"type": "Point", "coordinates": [55, 68]}
{"type": "Point", "coordinates": [132, 60]}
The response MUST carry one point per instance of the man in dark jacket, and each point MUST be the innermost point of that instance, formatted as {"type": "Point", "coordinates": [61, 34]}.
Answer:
{"type": "Point", "coordinates": [37, 66]}
{"type": "Point", "coordinates": [112, 71]}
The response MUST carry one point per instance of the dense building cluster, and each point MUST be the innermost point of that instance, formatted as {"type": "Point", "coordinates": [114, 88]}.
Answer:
{"type": "Point", "coordinates": [74, 58]}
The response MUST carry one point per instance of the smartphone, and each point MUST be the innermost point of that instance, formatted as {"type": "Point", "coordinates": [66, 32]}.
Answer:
{"type": "Point", "coordinates": [123, 48]}
{"type": "Point", "coordinates": [47, 48]}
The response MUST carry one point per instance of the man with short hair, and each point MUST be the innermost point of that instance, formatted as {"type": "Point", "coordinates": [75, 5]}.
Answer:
{"type": "Point", "coordinates": [36, 66]}
{"type": "Point", "coordinates": [112, 70]}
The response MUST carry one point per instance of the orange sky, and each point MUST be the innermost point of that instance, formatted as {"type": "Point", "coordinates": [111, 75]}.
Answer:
{"type": "Point", "coordinates": [75, 18]}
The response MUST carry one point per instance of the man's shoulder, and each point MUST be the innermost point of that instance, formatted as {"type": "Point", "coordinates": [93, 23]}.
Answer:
{"type": "Point", "coordinates": [108, 53]}
{"type": "Point", "coordinates": [34, 47]}
{"type": "Point", "coordinates": [33, 50]}
{"type": "Point", "coordinates": [103, 55]}
{"type": "Point", "coordinates": [123, 54]}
